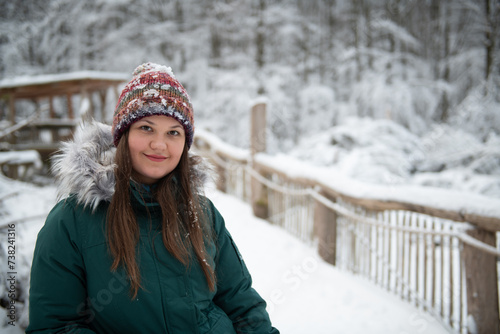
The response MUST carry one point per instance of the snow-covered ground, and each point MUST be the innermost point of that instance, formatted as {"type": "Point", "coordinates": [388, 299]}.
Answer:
{"type": "Point", "coordinates": [304, 294]}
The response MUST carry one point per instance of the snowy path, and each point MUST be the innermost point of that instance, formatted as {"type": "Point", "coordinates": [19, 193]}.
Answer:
{"type": "Point", "coordinates": [305, 294]}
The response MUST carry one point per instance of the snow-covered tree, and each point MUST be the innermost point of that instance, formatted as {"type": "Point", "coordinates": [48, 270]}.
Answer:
{"type": "Point", "coordinates": [416, 63]}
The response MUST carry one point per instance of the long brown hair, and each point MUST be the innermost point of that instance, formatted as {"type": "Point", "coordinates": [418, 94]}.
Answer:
{"type": "Point", "coordinates": [184, 229]}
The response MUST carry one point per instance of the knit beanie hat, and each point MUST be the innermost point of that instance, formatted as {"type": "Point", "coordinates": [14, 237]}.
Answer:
{"type": "Point", "coordinates": [153, 90]}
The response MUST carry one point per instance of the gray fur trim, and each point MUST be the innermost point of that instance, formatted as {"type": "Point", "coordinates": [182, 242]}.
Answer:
{"type": "Point", "coordinates": [85, 166]}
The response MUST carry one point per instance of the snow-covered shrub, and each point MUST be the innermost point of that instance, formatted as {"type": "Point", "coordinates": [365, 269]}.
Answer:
{"type": "Point", "coordinates": [22, 218]}
{"type": "Point", "coordinates": [381, 151]}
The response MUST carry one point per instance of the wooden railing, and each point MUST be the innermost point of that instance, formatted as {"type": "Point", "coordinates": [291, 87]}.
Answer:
{"type": "Point", "coordinates": [43, 136]}
{"type": "Point", "coordinates": [38, 133]}
{"type": "Point", "coordinates": [441, 261]}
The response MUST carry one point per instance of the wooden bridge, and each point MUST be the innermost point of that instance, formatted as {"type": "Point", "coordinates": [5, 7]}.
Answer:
{"type": "Point", "coordinates": [37, 112]}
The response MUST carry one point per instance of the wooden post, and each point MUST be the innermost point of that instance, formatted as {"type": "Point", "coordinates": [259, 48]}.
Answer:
{"type": "Point", "coordinates": [52, 113]}
{"type": "Point", "coordinates": [116, 93]}
{"type": "Point", "coordinates": [258, 129]}
{"type": "Point", "coordinates": [13, 171]}
{"type": "Point", "coordinates": [325, 225]}
{"type": "Point", "coordinates": [70, 106]}
{"type": "Point", "coordinates": [102, 95]}
{"type": "Point", "coordinates": [260, 203]}
{"type": "Point", "coordinates": [482, 284]}
{"type": "Point", "coordinates": [12, 109]}
{"type": "Point", "coordinates": [221, 178]}
{"type": "Point", "coordinates": [85, 97]}
{"type": "Point", "coordinates": [92, 110]}
{"type": "Point", "coordinates": [12, 116]}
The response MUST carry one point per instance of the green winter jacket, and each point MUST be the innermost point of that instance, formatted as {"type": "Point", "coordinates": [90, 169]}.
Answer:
{"type": "Point", "coordinates": [73, 290]}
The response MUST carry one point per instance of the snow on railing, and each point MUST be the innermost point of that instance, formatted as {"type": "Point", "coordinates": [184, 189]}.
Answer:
{"type": "Point", "coordinates": [437, 253]}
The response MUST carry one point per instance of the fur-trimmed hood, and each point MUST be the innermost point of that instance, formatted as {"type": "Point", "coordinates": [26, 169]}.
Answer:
{"type": "Point", "coordinates": [85, 166]}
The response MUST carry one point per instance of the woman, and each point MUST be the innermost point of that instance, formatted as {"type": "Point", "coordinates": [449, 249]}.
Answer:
{"type": "Point", "coordinates": [135, 248]}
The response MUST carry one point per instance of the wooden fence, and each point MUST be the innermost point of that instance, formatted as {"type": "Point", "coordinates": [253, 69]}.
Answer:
{"type": "Point", "coordinates": [442, 262]}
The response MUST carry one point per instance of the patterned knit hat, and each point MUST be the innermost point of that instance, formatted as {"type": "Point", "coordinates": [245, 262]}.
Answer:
{"type": "Point", "coordinates": [153, 90]}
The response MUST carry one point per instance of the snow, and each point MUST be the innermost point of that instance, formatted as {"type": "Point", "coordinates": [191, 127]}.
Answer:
{"type": "Point", "coordinates": [152, 67]}
{"type": "Point", "coordinates": [26, 206]}
{"type": "Point", "coordinates": [218, 145]}
{"type": "Point", "coordinates": [21, 157]}
{"type": "Point", "coordinates": [357, 114]}
{"type": "Point", "coordinates": [29, 80]}
{"type": "Point", "coordinates": [304, 294]}
{"type": "Point", "coordinates": [472, 328]}
{"type": "Point", "coordinates": [385, 153]}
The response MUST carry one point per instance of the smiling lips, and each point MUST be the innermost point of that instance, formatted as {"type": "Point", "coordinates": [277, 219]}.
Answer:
{"type": "Point", "coordinates": [156, 158]}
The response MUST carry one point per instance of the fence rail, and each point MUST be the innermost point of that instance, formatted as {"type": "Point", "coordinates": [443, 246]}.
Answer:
{"type": "Point", "coordinates": [442, 262]}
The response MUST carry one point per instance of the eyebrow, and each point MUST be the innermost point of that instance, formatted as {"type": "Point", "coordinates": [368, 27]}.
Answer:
{"type": "Point", "coordinates": [175, 126]}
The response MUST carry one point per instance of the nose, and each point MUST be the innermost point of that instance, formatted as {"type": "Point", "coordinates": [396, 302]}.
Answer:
{"type": "Point", "coordinates": [158, 144]}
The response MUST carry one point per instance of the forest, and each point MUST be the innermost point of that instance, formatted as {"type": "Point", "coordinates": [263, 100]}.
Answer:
{"type": "Point", "coordinates": [398, 92]}
{"type": "Point", "coordinates": [428, 66]}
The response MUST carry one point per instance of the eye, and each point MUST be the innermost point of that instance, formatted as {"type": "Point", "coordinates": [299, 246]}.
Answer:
{"type": "Point", "coordinates": [174, 133]}
{"type": "Point", "coordinates": [146, 128]}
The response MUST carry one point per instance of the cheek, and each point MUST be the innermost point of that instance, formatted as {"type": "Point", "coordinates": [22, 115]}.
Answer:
{"type": "Point", "coordinates": [133, 150]}
{"type": "Point", "coordinates": [179, 148]}
{"type": "Point", "coordinates": [135, 146]}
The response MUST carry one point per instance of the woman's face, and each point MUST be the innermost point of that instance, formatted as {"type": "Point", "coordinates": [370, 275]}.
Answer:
{"type": "Point", "coordinates": [156, 144]}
